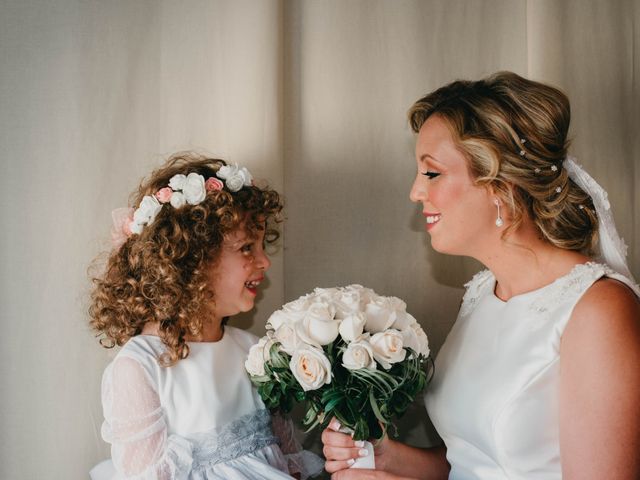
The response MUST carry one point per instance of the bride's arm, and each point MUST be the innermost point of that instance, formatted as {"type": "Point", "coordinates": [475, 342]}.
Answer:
{"type": "Point", "coordinates": [600, 386]}
{"type": "Point", "coordinates": [394, 460]}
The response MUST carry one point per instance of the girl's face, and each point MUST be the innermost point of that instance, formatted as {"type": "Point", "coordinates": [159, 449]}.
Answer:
{"type": "Point", "coordinates": [235, 277]}
{"type": "Point", "coordinates": [460, 216]}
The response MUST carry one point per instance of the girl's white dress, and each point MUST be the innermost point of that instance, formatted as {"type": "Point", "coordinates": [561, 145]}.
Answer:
{"type": "Point", "coordinates": [494, 395]}
{"type": "Point", "coordinates": [199, 419]}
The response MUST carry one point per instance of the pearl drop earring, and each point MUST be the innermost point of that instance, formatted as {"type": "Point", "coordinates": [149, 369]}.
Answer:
{"type": "Point", "coordinates": [499, 221]}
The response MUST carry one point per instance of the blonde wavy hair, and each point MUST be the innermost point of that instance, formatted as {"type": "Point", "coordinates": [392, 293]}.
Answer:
{"type": "Point", "coordinates": [160, 275]}
{"type": "Point", "coordinates": [513, 132]}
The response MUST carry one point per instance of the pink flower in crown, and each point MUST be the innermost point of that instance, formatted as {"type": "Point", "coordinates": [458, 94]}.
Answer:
{"type": "Point", "coordinates": [120, 230]}
{"type": "Point", "coordinates": [164, 194]}
{"type": "Point", "coordinates": [213, 184]}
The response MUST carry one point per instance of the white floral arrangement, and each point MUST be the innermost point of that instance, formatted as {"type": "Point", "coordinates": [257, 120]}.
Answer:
{"type": "Point", "coordinates": [344, 352]}
{"type": "Point", "coordinates": [182, 190]}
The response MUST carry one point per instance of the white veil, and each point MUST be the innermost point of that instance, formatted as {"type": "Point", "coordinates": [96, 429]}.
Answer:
{"type": "Point", "coordinates": [611, 249]}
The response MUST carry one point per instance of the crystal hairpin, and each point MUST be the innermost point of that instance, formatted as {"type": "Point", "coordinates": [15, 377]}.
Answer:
{"type": "Point", "coordinates": [522, 142]}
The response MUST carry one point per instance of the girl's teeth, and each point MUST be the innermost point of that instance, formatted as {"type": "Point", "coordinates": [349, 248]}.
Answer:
{"type": "Point", "coordinates": [433, 218]}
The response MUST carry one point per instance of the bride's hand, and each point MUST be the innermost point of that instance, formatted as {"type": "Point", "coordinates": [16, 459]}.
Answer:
{"type": "Point", "coordinates": [341, 451]}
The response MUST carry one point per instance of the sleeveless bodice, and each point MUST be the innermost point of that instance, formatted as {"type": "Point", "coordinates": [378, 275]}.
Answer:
{"type": "Point", "coordinates": [494, 395]}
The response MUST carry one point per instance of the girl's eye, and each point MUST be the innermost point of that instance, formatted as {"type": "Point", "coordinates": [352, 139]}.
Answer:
{"type": "Point", "coordinates": [246, 248]}
{"type": "Point", "coordinates": [431, 175]}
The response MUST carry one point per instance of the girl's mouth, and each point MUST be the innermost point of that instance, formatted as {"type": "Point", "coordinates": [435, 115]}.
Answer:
{"type": "Point", "coordinates": [252, 285]}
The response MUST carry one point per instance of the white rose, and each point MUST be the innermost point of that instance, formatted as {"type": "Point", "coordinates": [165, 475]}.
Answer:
{"type": "Point", "coordinates": [380, 313]}
{"type": "Point", "coordinates": [277, 319]}
{"type": "Point", "coordinates": [146, 212]}
{"type": "Point", "coordinates": [347, 303]}
{"type": "Point", "coordinates": [177, 182]}
{"type": "Point", "coordinates": [246, 176]}
{"type": "Point", "coordinates": [387, 348]}
{"type": "Point", "coordinates": [258, 354]}
{"type": "Point", "coordinates": [234, 183]}
{"type": "Point", "coordinates": [177, 200]}
{"type": "Point", "coordinates": [366, 294]}
{"type": "Point", "coordinates": [357, 355]}
{"type": "Point", "coordinates": [352, 326]}
{"type": "Point", "coordinates": [327, 296]}
{"type": "Point", "coordinates": [319, 292]}
{"type": "Point", "coordinates": [235, 177]}
{"type": "Point", "coordinates": [403, 321]}
{"type": "Point", "coordinates": [410, 339]}
{"type": "Point", "coordinates": [288, 338]}
{"type": "Point", "coordinates": [423, 340]}
{"type": "Point", "coordinates": [135, 228]}
{"type": "Point", "coordinates": [297, 309]}
{"type": "Point", "coordinates": [193, 189]}
{"type": "Point", "coordinates": [311, 368]}
{"type": "Point", "coordinates": [318, 326]}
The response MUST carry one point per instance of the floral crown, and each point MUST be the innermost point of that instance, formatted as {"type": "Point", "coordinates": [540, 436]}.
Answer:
{"type": "Point", "coordinates": [188, 189]}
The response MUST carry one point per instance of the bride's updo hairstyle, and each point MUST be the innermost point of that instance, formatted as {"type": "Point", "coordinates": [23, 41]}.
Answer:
{"type": "Point", "coordinates": [513, 132]}
{"type": "Point", "coordinates": [161, 273]}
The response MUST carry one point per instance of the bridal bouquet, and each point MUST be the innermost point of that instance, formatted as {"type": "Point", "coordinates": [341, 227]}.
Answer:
{"type": "Point", "coordinates": [342, 352]}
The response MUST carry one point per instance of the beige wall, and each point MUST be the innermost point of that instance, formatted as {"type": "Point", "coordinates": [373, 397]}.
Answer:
{"type": "Point", "coordinates": [309, 94]}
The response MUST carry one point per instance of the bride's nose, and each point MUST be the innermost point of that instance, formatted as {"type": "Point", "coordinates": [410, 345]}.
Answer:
{"type": "Point", "coordinates": [418, 191]}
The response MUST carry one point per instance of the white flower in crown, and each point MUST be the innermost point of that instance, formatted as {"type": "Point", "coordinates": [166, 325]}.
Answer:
{"type": "Point", "coordinates": [193, 189]}
{"type": "Point", "coordinates": [235, 177]}
{"type": "Point", "coordinates": [188, 189]}
{"type": "Point", "coordinates": [178, 200]}
{"type": "Point", "coordinates": [145, 213]}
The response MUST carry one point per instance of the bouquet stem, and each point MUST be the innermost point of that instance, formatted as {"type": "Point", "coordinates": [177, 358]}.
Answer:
{"type": "Point", "coordinates": [368, 461]}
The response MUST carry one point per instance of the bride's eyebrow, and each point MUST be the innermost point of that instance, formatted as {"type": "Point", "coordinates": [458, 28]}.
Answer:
{"type": "Point", "coordinates": [427, 156]}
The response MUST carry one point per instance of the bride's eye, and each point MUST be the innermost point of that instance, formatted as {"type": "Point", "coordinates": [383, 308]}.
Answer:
{"type": "Point", "coordinates": [431, 175]}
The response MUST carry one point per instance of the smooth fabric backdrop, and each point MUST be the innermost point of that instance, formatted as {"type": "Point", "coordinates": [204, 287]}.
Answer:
{"type": "Point", "coordinates": [311, 95]}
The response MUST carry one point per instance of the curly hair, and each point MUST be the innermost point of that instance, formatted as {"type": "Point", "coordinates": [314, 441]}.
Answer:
{"type": "Point", "coordinates": [513, 132]}
{"type": "Point", "coordinates": [160, 275]}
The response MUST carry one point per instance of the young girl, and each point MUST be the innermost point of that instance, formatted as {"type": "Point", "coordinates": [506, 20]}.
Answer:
{"type": "Point", "coordinates": [177, 400]}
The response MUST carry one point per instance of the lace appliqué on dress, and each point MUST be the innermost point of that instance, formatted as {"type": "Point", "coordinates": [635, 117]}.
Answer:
{"type": "Point", "coordinates": [241, 437]}
{"type": "Point", "coordinates": [475, 288]}
{"type": "Point", "coordinates": [575, 283]}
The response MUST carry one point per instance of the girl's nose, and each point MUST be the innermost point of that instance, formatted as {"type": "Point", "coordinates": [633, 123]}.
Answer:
{"type": "Point", "coordinates": [261, 260]}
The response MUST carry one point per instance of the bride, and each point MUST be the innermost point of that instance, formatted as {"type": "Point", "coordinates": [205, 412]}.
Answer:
{"type": "Point", "coordinates": [540, 375]}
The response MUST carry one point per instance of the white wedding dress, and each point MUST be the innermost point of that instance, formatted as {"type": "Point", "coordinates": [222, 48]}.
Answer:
{"type": "Point", "coordinates": [199, 419]}
{"type": "Point", "coordinates": [494, 395]}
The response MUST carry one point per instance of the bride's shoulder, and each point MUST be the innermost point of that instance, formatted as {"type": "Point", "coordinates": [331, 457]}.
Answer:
{"type": "Point", "coordinates": [607, 313]}
{"type": "Point", "coordinates": [609, 297]}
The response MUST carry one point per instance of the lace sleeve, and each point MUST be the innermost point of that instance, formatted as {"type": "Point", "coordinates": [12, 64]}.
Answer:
{"type": "Point", "coordinates": [301, 462]}
{"type": "Point", "coordinates": [135, 426]}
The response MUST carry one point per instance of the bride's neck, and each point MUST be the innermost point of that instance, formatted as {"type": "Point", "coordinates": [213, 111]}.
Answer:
{"type": "Point", "coordinates": [524, 263]}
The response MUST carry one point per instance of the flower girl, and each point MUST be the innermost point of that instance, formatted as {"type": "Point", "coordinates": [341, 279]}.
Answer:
{"type": "Point", "coordinates": [177, 401]}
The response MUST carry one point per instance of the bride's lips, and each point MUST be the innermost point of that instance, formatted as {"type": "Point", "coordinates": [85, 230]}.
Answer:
{"type": "Point", "coordinates": [431, 219]}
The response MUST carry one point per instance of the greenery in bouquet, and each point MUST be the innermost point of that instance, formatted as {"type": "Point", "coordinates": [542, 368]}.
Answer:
{"type": "Point", "coordinates": [342, 352]}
